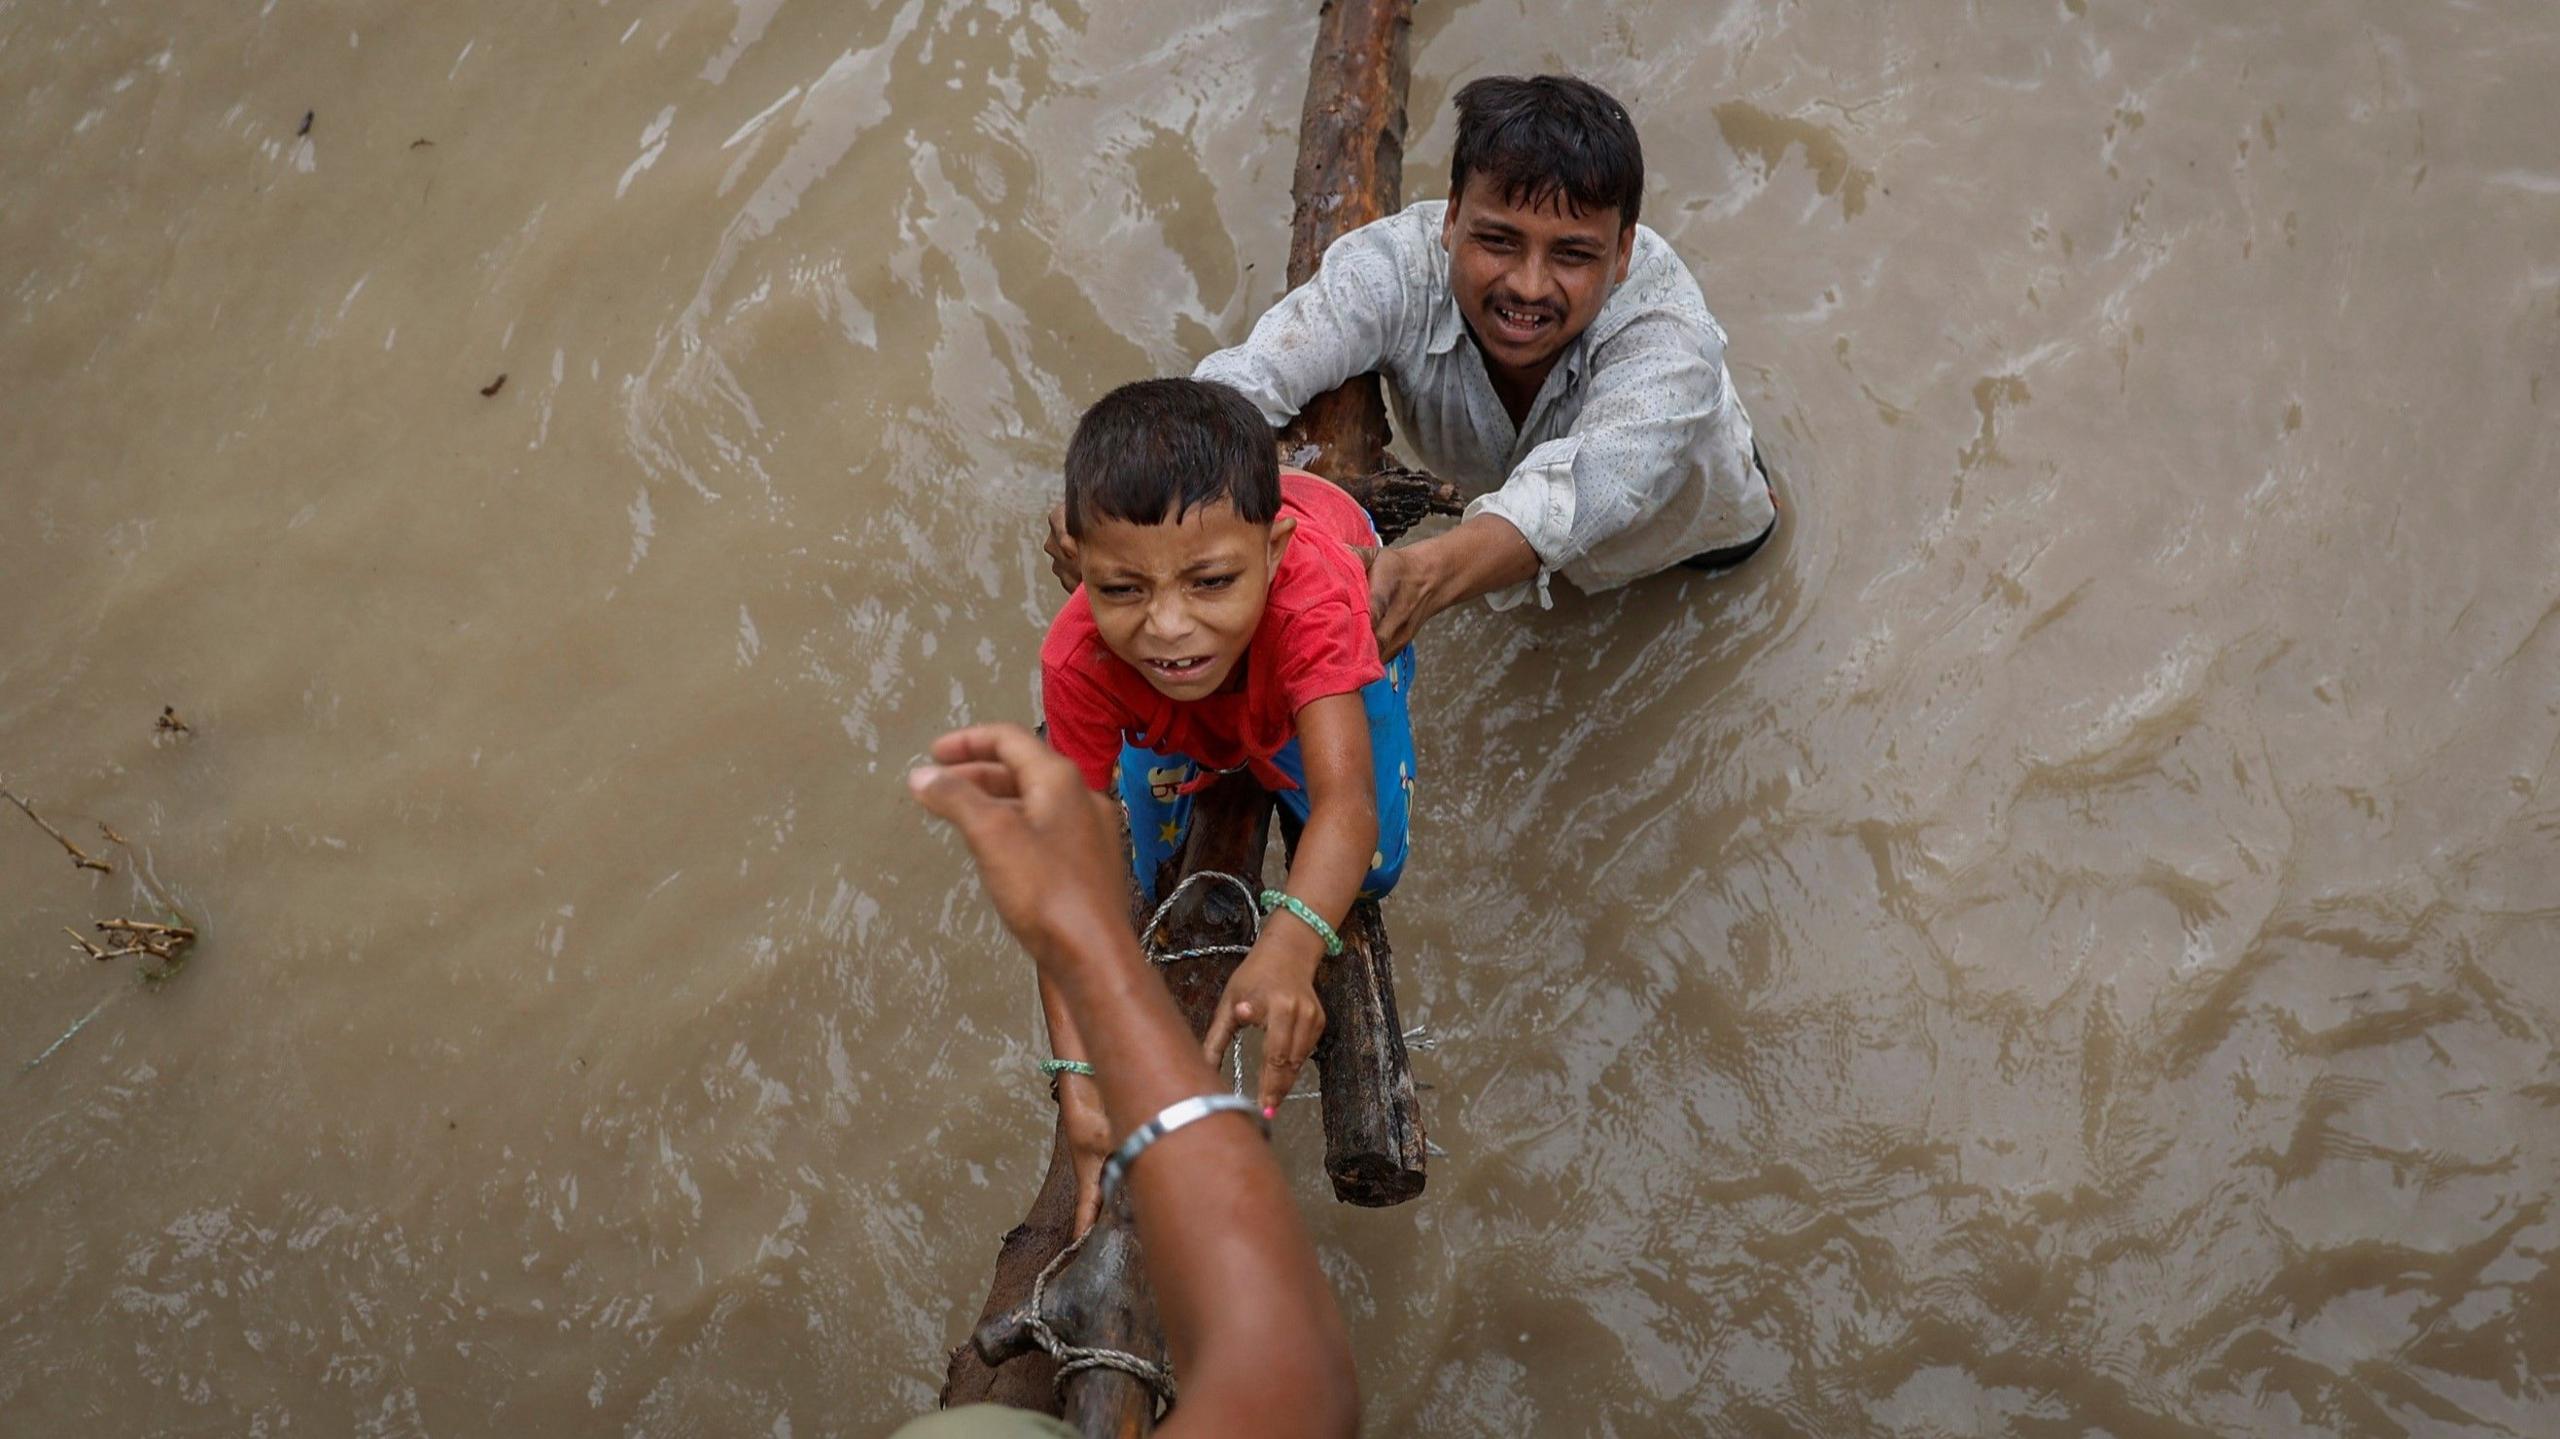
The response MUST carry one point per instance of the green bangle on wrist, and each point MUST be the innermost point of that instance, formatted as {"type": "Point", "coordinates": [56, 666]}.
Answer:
{"type": "Point", "coordinates": [1280, 899]}
{"type": "Point", "coordinates": [1055, 1067]}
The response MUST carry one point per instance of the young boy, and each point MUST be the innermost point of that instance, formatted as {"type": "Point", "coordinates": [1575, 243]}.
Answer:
{"type": "Point", "coordinates": [1223, 624]}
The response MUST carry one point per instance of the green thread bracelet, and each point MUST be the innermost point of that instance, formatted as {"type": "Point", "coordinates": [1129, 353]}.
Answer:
{"type": "Point", "coordinates": [1055, 1067]}
{"type": "Point", "coordinates": [1277, 899]}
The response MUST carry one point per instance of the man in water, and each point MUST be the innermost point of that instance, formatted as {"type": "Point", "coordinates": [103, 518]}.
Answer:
{"type": "Point", "coordinates": [1544, 351]}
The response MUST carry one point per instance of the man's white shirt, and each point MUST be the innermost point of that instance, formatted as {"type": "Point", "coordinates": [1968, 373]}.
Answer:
{"type": "Point", "coordinates": [1635, 455]}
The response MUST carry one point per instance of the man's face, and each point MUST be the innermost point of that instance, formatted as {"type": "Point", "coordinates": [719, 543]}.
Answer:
{"type": "Point", "coordinates": [1180, 601]}
{"type": "Point", "coordinates": [1530, 278]}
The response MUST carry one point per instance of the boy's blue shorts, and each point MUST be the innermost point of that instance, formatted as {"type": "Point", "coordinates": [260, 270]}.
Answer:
{"type": "Point", "coordinates": [1160, 818]}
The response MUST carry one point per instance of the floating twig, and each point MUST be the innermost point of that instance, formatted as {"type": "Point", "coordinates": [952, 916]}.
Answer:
{"type": "Point", "coordinates": [80, 858]}
{"type": "Point", "coordinates": [494, 386]}
{"type": "Point", "coordinates": [178, 932]}
{"type": "Point", "coordinates": [169, 723]}
{"type": "Point", "coordinates": [307, 117]}
{"type": "Point", "coordinates": [86, 947]}
{"type": "Point", "coordinates": [162, 942]}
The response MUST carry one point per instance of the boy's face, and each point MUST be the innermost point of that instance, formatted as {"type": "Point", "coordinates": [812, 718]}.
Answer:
{"type": "Point", "coordinates": [1530, 278]}
{"type": "Point", "coordinates": [1179, 601]}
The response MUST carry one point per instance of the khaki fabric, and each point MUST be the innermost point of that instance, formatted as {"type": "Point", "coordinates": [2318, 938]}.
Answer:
{"type": "Point", "coordinates": [985, 1421]}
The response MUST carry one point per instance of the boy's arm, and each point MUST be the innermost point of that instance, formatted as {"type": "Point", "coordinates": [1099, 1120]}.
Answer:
{"type": "Point", "coordinates": [1080, 1110]}
{"type": "Point", "coordinates": [1275, 986]}
{"type": "Point", "coordinates": [1080, 728]}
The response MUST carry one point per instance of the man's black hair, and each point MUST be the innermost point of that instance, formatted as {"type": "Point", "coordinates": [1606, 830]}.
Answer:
{"type": "Point", "coordinates": [1545, 136]}
{"type": "Point", "coordinates": [1151, 452]}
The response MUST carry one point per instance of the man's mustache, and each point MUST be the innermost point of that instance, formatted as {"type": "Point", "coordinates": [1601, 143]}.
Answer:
{"type": "Point", "coordinates": [1525, 307]}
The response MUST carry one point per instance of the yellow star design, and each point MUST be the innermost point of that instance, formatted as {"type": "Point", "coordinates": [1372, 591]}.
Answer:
{"type": "Point", "coordinates": [1168, 833]}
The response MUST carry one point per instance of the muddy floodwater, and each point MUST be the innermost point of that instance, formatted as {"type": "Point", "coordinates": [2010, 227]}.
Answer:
{"type": "Point", "coordinates": [2066, 944]}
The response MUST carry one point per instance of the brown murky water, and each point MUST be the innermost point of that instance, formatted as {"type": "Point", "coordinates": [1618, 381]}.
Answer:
{"type": "Point", "coordinates": [2064, 947]}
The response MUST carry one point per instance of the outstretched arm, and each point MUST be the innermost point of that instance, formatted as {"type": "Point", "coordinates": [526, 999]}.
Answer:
{"type": "Point", "coordinates": [1342, 322]}
{"type": "Point", "coordinates": [1212, 1208]}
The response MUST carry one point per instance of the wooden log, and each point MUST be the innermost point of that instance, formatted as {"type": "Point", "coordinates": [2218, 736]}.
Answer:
{"type": "Point", "coordinates": [1028, 1381]}
{"type": "Point", "coordinates": [1373, 1139]}
{"type": "Point", "coordinates": [1099, 1299]}
{"type": "Point", "coordinates": [1230, 828]}
{"type": "Point", "coordinates": [1350, 171]}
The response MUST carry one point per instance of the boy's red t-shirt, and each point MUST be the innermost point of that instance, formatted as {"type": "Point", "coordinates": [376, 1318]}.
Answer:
{"type": "Point", "coordinates": [1314, 641]}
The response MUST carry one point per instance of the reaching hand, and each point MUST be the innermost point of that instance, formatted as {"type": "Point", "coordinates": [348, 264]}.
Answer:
{"type": "Point", "coordinates": [1273, 993]}
{"type": "Point", "coordinates": [1036, 832]}
{"type": "Point", "coordinates": [1061, 549]}
{"type": "Point", "coordinates": [1397, 604]}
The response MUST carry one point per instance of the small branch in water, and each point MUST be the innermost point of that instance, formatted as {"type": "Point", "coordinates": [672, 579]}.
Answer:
{"type": "Point", "coordinates": [79, 857]}
{"type": "Point", "coordinates": [169, 723]}
{"type": "Point", "coordinates": [167, 932]}
{"type": "Point", "coordinates": [86, 947]}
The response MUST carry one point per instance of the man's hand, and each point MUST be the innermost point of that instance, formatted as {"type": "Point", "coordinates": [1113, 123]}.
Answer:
{"type": "Point", "coordinates": [1061, 549]}
{"type": "Point", "coordinates": [1395, 599]}
{"type": "Point", "coordinates": [1408, 586]}
{"type": "Point", "coordinates": [1277, 993]}
{"type": "Point", "coordinates": [1038, 837]}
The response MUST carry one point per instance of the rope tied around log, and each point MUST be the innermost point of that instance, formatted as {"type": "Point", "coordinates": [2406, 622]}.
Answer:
{"type": "Point", "coordinates": [1074, 1359]}
{"type": "Point", "coordinates": [1253, 911]}
{"type": "Point", "coordinates": [1252, 907]}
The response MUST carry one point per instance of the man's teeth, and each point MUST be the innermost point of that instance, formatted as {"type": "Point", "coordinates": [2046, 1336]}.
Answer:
{"type": "Point", "coordinates": [1525, 319]}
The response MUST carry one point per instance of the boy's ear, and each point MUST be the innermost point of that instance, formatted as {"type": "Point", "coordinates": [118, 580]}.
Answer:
{"type": "Point", "coordinates": [1281, 529]}
{"type": "Point", "coordinates": [1626, 253]}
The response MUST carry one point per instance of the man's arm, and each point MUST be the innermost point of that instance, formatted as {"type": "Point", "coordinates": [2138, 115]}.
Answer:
{"type": "Point", "coordinates": [1342, 322]}
{"type": "Point", "coordinates": [1409, 585]}
{"type": "Point", "coordinates": [1658, 425]}
{"type": "Point", "coordinates": [1213, 1210]}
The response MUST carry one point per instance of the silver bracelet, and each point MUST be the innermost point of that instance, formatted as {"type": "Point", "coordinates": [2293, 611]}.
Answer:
{"type": "Point", "coordinates": [1168, 1119]}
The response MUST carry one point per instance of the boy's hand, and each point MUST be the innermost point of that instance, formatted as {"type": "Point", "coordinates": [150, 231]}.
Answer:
{"type": "Point", "coordinates": [1088, 1132]}
{"type": "Point", "coordinates": [1061, 549]}
{"type": "Point", "coordinates": [1277, 993]}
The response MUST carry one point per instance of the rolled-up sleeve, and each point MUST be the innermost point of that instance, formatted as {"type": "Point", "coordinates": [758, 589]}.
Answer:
{"type": "Point", "coordinates": [1654, 442]}
{"type": "Point", "coordinates": [1540, 501]}
{"type": "Point", "coordinates": [1322, 333]}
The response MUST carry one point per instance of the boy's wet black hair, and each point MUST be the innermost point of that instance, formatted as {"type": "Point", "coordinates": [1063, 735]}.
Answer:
{"type": "Point", "coordinates": [1151, 452]}
{"type": "Point", "coordinates": [1545, 136]}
